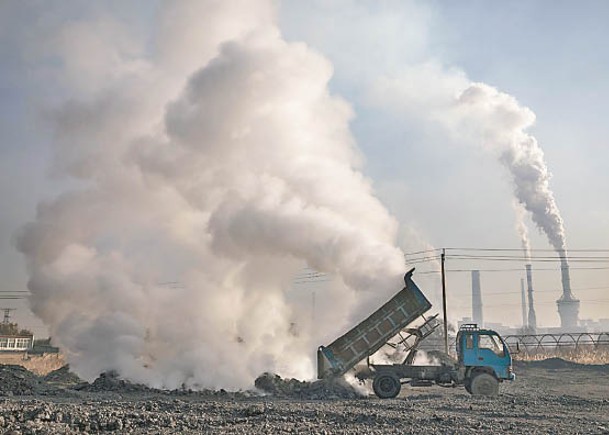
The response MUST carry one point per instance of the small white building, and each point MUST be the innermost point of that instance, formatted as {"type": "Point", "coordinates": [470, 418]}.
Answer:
{"type": "Point", "coordinates": [16, 343]}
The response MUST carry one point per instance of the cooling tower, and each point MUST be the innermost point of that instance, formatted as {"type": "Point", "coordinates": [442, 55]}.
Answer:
{"type": "Point", "coordinates": [568, 306]}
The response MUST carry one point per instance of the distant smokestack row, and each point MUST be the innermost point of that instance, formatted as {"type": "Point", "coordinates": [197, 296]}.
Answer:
{"type": "Point", "coordinates": [532, 317]}
{"type": "Point", "coordinates": [568, 306]}
{"type": "Point", "coordinates": [476, 299]}
{"type": "Point", "coordinates": [523, 303]}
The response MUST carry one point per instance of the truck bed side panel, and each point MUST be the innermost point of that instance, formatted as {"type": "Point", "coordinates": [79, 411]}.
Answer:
{"type": "Point", "coordinates": [371, 334]}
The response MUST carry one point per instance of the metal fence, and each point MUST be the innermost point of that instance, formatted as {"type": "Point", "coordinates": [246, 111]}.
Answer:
{"type": "Point", "coordinates": [567, 340]}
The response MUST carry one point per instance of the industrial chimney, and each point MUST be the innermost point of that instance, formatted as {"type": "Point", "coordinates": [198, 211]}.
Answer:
{"type": "Point", "coordinates": [476, 299]}
{"type": "Point", "coordinates": [532, 317]}
{"type": "Point", "coordinates": [523, 303]}
{"type": "Point", "coordinates": [568, 306]}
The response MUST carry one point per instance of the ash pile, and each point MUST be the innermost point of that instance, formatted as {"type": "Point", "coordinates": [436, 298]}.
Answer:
{"type": "Point", "coordinates": [274, 385]}
{"type": "Point", "coordinates": [110, 381]}
{"type": "Point", "coordinates": [19, 381]}
{"type": "Point", "coordinates": [63, 376]}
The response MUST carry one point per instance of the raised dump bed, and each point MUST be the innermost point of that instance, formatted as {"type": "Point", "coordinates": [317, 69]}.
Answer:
{"type": "Point", "coordinates": [373, 333]}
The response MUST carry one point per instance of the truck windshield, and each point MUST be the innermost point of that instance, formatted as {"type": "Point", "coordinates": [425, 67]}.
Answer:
{"type": "Point", "coordinates": [493, 343]}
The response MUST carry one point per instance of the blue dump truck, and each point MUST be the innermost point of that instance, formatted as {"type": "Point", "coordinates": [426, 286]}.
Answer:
{"type": "Point", "coordinates": [483, 359]}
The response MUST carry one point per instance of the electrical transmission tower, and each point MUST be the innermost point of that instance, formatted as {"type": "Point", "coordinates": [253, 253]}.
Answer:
{"type": "Point", "coordinates": [7, 315]}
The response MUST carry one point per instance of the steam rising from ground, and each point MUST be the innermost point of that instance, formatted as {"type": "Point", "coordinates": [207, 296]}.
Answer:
{"type": "Point", "coordinates": [217, 159]}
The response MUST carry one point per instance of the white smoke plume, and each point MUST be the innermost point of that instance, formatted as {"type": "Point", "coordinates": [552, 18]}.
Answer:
{"type": "Point", "coordinates": [480, 114]}
{"type": "Point", "coordinates": [501, 123]}
{"type": "Point", "coordinates": [214, 156]}
{"type": "Point", "coordinates": [522, 230]}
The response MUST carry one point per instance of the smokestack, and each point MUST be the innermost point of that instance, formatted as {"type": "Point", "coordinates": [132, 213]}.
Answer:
{"type": "Point", "coordinates": [476, 299]}
{"type": "Point", "coordinates": [568, 306]}
{"type": "Point", "coordinates": [532, 317]}
{"type": "Point", "coordinates": [523, 303]}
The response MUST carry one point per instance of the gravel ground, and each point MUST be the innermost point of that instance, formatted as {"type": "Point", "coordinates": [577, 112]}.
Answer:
{"type": "Point", "coordinates": [549, 397]}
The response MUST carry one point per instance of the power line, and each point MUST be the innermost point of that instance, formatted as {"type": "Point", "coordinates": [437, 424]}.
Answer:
{"type": "Point", "coordinates": [521, 269]}
{"type": "Point", "coordinates": [596, 259]}
{"type": "Point", "coordinates": [421, 252]}
{"type": "Point", "coordinates": [521, 250]}
{"type": "Point", "coordinates": [603, 301]}
{"type": "Point", "coordinates": [423, 260]}
{"type": "Point", "coordinates": [517, 292]}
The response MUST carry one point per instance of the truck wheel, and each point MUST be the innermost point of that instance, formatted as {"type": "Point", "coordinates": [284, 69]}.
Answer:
{"type": "Point", "coordinates": [386, 386]}
{"type": "Point", "coordinates": [468, 385]}
{"type": "Point", "coordinates": [484, 384]}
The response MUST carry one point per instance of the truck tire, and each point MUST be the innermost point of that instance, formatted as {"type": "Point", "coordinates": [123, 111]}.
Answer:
{"type": "Point", "coordinates": [484, 384]}
{"type": "Point", "coordinates": [386, 386]}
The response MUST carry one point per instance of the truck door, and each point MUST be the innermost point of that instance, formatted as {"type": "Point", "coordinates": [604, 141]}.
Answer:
{"type": "Point", "coordinates": [468, 347]}
{"type": "Point", "coordinates": [490, 350]}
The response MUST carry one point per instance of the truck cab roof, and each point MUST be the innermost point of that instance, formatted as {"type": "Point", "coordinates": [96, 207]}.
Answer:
{"type": "Point", "coordinates": [473, 327]}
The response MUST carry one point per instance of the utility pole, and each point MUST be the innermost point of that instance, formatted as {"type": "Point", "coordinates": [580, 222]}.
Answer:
{"type": "Point", "coordinates": [443, 258]}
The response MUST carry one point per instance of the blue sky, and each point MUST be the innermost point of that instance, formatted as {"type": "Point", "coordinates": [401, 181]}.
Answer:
{"type": "Point", "coordinates": [551, 55]}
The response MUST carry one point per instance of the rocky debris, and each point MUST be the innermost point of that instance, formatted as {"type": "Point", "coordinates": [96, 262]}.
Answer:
{"type": "Point", "coordinates": [63, 376]}
{"type": "Point", "coordinates": [569, 401]}
{"type": "Point", "coordinates": [447, 412]}
{"type": "Point", "coordinates": [293, 388]}
{"type": "Point", "coordinates": [111, 381]}
{"type": "Point", "coordinates": [18, 381]}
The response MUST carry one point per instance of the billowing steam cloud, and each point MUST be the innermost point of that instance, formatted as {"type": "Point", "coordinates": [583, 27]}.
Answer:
{"type": "Point", "coordinates": [216, 161]}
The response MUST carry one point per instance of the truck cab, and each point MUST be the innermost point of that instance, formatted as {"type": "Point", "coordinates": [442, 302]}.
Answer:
{"type": "Point", "coordinates": [483, 351]}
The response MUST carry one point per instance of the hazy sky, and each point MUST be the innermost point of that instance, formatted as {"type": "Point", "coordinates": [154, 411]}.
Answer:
{"type": "Point", "coordinates": [550, 55]}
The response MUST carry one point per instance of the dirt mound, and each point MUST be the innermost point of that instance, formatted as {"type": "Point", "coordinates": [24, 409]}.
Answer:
{"type": "Point", "coordinates": [19, 381]}
{"type": "Point", "coordinates": [110, 381]}
{"type": "Point", "coordinates": [559, 363]}
{"type": "Point", "coordinates": [554, 363]}
{"type": "Point", "coordinates": [63, 376]}
{"type": "Point", "coordinates": [294, 389]}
